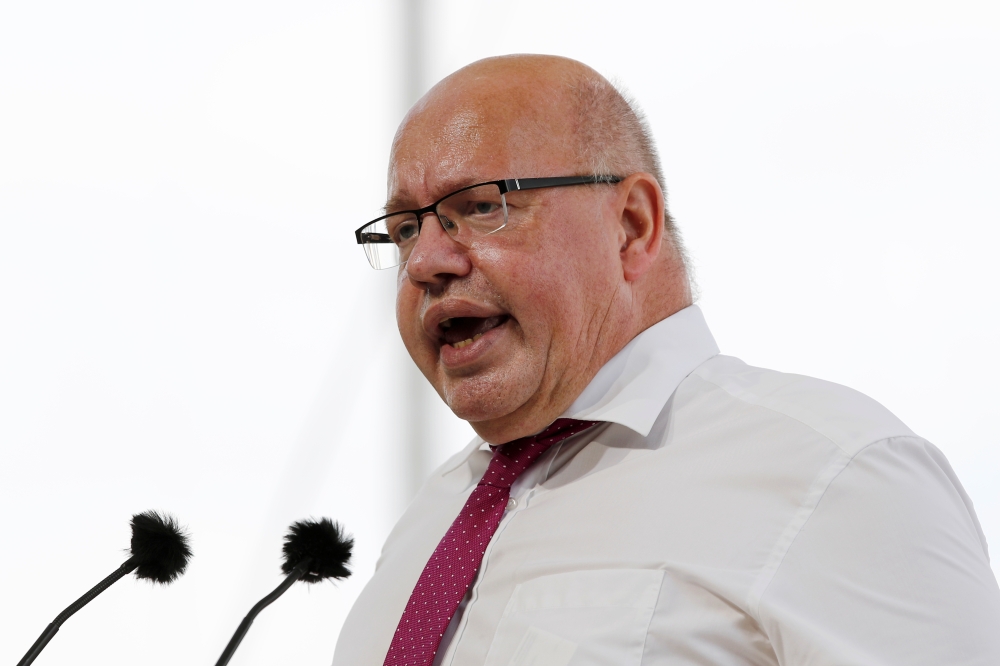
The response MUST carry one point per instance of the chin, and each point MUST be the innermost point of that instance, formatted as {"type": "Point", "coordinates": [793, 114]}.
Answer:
{"type": "Point", "coordinates": [475, 407]}
{"type": "Point", "coordinates": [477, 399]}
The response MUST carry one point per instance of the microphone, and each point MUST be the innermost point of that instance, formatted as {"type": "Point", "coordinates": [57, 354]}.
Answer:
{"type": "Point", "coordinates": [313, 551]}
{"type": "Point", "coordinates": [158, 552]}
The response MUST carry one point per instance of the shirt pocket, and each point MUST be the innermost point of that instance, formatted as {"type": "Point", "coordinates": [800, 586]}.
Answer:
{"type": "Point", "coordinates": [577, 618]}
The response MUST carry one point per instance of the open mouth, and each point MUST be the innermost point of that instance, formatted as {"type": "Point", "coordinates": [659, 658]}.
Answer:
{"type": "Point", "coordinates": [463, 331]}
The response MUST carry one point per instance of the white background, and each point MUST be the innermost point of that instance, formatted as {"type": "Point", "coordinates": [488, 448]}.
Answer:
{"type": "Point", "coordinates": [186, 324]}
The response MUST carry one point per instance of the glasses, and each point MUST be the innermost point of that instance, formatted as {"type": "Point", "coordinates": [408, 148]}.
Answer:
{"type": "Point", "coordinates": [466, 214]}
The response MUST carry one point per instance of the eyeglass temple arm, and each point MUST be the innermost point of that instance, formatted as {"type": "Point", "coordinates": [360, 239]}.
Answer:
{"type": "Point", "coordinates": [516, 184]}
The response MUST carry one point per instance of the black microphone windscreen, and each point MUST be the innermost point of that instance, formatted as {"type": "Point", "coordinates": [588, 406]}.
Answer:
{"type": "Point", "coordinates": [159, 547]}
{"type": "Point", "coordinates": [324, 544]}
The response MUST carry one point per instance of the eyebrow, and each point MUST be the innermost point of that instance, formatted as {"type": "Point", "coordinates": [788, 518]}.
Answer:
{"type": "Point", "coordinates": [393, 204]}
{"type": "Point", "coordinates": [396, 203]}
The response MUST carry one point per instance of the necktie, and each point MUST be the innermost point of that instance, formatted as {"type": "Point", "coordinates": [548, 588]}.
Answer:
{"type": "Point", "coordinates": [451, 568]}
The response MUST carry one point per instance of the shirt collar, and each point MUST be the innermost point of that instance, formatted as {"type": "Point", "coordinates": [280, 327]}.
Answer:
{"type": "Point", "coordinates": [632, 388]}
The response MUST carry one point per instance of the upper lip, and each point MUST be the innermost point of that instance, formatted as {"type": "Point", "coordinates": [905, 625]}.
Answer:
{"type": "Point", "coordinates": [439, 312]}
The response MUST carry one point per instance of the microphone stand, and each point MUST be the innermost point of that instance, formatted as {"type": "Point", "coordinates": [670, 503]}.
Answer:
{"type": "Point", "coordinates": [241, 631]}
{"type": "Point", "coordinates": [128, 567]}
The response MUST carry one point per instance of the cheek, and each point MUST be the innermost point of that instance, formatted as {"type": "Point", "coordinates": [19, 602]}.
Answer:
{"type": "Point", "coordinates": [563, 274]}
{"type": "Point", "coordinates": [544, 298]}
{"type": "Point", "coordinates": [408, 303]}
{"type": "Point", "coordinates": [550, 281]}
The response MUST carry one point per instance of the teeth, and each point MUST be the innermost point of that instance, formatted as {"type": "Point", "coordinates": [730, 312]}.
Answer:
{"type": "Point", "coordinates": [467, 341]}
{"type": "Point", "coordinates": [446, 323]}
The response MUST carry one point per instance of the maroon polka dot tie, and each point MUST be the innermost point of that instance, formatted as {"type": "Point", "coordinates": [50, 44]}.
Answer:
{"type": "Point", "coordinates": [450, 571]}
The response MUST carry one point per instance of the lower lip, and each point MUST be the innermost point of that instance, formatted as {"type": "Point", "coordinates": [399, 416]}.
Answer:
{"type": "Point", "coordinates": [456, 358]}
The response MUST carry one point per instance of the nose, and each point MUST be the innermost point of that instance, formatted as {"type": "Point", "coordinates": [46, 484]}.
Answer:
{"type": "Point", "coordinates": [436, 257]}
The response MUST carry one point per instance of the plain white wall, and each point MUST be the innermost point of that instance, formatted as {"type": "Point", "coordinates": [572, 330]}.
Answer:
{"type": "Point", "coordinates": [185, 323]}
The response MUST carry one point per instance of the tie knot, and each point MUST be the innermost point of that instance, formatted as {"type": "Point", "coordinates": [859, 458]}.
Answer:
{"type": "Point", "coordinates": [511, 459]}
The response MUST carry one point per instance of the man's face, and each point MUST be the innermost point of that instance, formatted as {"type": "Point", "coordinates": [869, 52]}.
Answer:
{"type": "Point", "coordinates": [506, 330]}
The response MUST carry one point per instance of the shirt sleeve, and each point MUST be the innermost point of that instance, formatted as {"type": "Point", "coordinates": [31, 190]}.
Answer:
{"type": "Point", "coordinates": [890, 568]}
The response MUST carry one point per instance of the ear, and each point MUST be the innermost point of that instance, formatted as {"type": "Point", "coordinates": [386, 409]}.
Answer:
{"type": "Point", "coordinates": [642, 220]}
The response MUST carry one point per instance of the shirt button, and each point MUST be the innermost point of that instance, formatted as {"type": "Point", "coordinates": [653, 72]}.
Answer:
{"type": "Point", "coordinates": [511, 503]}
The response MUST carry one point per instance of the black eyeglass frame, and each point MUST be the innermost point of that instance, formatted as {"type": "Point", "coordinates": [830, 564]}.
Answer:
{"type": "Point", "coordinates": [506, 185]}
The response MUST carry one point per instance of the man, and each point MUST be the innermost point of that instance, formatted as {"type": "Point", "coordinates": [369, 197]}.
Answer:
{"type": "Point", "coordinates": [646, 500]}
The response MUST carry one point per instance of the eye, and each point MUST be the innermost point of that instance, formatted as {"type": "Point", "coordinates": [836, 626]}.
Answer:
{"type": "Point", "coordinates": [405, 232]}
{"type": "Point", "coordinates": [484, 207]}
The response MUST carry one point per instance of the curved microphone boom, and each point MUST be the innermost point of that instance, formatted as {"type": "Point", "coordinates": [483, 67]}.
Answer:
{"type": "Point", "coordinates": [158, 552]}
{"type": "Point", "coordinates": [313, 551]}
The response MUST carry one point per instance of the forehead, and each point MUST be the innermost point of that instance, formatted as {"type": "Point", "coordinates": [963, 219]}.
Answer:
{"type": "Point", "coordinates": [460, 137]}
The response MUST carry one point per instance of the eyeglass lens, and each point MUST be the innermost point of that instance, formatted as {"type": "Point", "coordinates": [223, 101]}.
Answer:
{"type": "Point", "coordinates": [464, 215]}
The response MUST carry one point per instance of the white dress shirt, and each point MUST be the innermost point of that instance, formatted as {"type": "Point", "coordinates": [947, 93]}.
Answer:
{"type": "Point", "coordinates": [724, 514]}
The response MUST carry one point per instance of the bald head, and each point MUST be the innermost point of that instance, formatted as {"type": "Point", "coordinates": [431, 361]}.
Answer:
{"type": "Point", "coordinates": [576, 273]}
{"type": "Point", "coordinates": [552, 105]}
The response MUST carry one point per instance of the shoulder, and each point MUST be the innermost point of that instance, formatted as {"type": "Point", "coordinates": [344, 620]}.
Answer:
{"type": "Point", "coordinates": [844, 417]}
